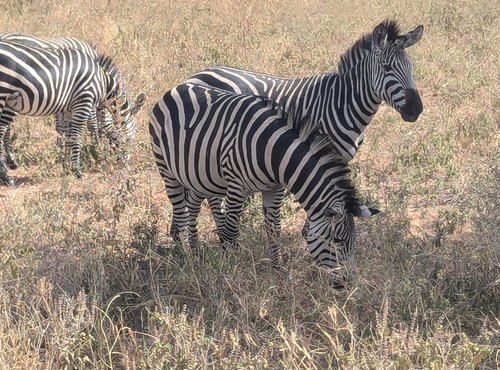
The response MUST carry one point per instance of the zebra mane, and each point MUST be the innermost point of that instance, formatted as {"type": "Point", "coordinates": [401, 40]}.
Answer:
{"type": "Point", "coordinates": [309, 132]}
{"type": "Point", "coordinates": [322, 145]}
{"type": "Point", "coordinates": [107, 63]}
{"type": "Point", "coordinates": [363, 46]}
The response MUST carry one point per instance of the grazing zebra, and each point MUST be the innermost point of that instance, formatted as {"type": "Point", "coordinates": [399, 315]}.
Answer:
{"type": "Point", "coordinates": [98, 121]}
{"type": "Point", "coordinates": [43, 82]}
{"type": "Point", "coordinates": [208, 141]}
{"type": "Point", "coordinates": [375, 69]}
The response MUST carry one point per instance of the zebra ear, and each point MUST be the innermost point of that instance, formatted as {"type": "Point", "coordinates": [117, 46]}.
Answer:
{"type": "Point", "coordinates": [139, 102]}
{"type": "Point", "coordinates": [365, 212]}
{"type": "Point", "coordinates": [379, 37]}
{"type": "Point", "coordinates": [412, 37]}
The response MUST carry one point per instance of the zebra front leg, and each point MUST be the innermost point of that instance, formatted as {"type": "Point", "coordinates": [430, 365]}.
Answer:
{"type": "Point", "coordinates": [271, 203]}
{"type": "Point", "coordinates": [235, 201]}
{"type": "Point", "coordinates": [75, 143]}
{"type": "Point", "coordinates": [215, 204]}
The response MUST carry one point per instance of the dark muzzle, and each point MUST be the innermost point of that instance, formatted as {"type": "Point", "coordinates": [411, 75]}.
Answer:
{"type": "Point", "coordinates": [413, 106]}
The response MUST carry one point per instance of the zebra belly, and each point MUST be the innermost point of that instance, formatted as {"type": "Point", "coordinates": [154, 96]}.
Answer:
{"type": "Point", "coordinates": [202, 184]}
{"type": "Point", "coordinates": [200, 173]}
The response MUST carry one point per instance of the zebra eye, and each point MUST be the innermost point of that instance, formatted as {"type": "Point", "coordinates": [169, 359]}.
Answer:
{"type": "Point", "coordinates": [387, 67]}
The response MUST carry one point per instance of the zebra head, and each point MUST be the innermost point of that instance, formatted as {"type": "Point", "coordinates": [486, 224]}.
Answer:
{"type": "Point", "coordinates": [392, 69]}
{"type": "Point", "coordinates": [117, 101]}
{"type": "Point", "coordinates": [126, 114]}
{"type": "Point", "coordinates": [331, 237]}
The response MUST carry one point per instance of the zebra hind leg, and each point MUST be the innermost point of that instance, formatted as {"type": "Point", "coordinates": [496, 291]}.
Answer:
{"type": "Point", "coordinates": [75, 142]}
{"type": "Point", "coordinates": [11, 159]}
{"type": "Point", "coordinates": [216, 207]}
{"type": "Point", "coordinates": [193, 202]}
{"type": "Point", "coordinates": [177, 195]}
{"type": "Point", "coordinates": [271, 203]}
{"type": "Point", "coordinates": [4, 176]}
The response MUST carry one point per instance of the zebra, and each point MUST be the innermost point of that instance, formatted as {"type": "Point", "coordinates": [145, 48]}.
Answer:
{"type": "Point", "coordinates": [375, 69]}
{"type": "Point", "coordinates": [98, 121]}
{"type": "Point", "coordinates": [41, 82]}
{"type": "Point", "coordinates": [208, 141]}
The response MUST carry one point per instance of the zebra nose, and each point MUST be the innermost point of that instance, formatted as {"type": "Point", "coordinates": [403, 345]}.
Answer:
{"type": "Point", "coordinates": [413, 107]}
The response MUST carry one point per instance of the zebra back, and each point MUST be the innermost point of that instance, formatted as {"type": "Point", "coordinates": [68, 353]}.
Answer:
{"type": "Point", "coordinates": [375, 69]}
{"type": "Point", "coordinates": [55, 43]}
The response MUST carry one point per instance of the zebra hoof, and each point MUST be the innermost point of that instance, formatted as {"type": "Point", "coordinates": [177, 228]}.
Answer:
{"type": "Point", "coordinates": [280, 271]}
{"type": "Point", "coordinates": [79, 175]}
{"type": "Point", "coordinates": [337, 285]}
{"type": "Point", "coordinates": [12, 163]}
{"type": "Point", "coordinates": [229, 244]}
{"type": "Point", "coordinates": [7, 180]}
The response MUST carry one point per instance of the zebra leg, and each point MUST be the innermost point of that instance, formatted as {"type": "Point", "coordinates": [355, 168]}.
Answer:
{"type": "Point", "coordinates": [10, 159]}
{"type": "Point", "coordinates": [235, 201]}
{"type": "Point", "coordinates": [193, 202]}
{"type": "Point", "coordinates": [271, 203]}
{"type": "Point", "coordinates": [177, 195]}
{"type": "Point", "coordinates": [92, 126]}
{"type": "Point", "coordinates": [62, 129]}
{"type": "Point", "coordinates": [215, 204]}
{"type": "Point", "coordinates": [8, 117]}
{"type": "Point", "coordinates": [4, 127]}
{"type": "Point", "coordinates": [74, 140]}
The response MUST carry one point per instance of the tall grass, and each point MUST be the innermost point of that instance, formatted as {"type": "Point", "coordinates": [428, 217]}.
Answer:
{"type": "Point", "coordinates": [89, 277]}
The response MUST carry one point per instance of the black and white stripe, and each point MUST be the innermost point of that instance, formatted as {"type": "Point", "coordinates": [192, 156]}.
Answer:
{"type": "Point", "coordinates": [43, 82]}
{"type": "Point", "coordinates": [209, 142]}
{"type": "Point", "coordinates": [99, 122]}
{"type": "Point", "coordinates": [375, 69]}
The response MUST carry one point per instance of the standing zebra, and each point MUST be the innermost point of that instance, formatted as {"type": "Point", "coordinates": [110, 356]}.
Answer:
{"type": "Point", "coordinates": [208, 141]}
{"type": "Point", "coordinates": [42, 82]}
{"type": "Point", "coordinates": [98, 121]}
{"type": "Point", "coordinates": [375, 69]}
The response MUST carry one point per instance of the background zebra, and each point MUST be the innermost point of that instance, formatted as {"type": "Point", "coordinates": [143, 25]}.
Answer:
{"type": "Point", "coordinates": [101, 121]}
{"type": "Point", "coordinates": [209, 141]}
{"type": "Point", "coordinates": [375, 69]}
{"type": "Point", "coordinates": [42, 82]}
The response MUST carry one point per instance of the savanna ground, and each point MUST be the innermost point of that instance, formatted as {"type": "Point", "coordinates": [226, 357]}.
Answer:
{"type": "Point", "coordinates": [88, 278]}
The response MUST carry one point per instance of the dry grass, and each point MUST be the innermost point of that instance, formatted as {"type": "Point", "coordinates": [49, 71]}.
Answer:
{"type": "Point", "coordinates": [87, 274]}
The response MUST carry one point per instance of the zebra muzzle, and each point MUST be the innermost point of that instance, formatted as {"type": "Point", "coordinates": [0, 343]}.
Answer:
{"type": "Point", "coordinates": [413, 107]}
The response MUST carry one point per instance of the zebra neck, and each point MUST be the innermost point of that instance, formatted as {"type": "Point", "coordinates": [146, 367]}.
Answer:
{"type": "Point", "coordinates": [348, 106]}
{"type": "Point", "coordinates": [310, 179]}
{"type": "Point", "coordinates": [111, 87]}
